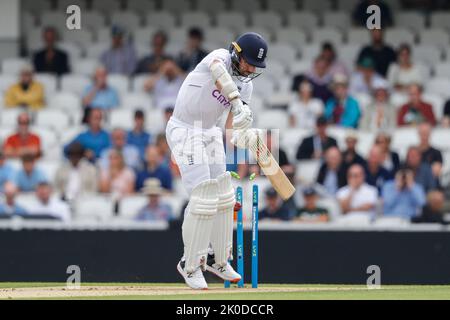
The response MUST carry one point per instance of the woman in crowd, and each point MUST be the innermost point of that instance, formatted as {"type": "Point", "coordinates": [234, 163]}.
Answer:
{"type": "Point", "coordinates": [117, 179]}
{"type": "Point", "coordinates": [404, 72]}
{"type": "Point", "coordinates": [304, 109]}
{"type": "Point", "coordinates": [391, 160]}
{"type": "Point", "coordinates": [380, 114]}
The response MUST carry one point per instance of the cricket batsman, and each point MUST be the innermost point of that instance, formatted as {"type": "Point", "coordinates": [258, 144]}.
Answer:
{"type": "Point", "coordinates": [220, 83]}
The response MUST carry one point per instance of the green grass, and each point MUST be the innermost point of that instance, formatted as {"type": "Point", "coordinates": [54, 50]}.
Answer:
{"type": "Point", "coordinates": [301, 292]}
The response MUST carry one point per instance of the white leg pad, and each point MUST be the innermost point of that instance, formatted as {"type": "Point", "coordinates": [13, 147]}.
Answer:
{"type": "Point", "coordinates": [222, 233]}
{"type": "Point", "coordinates": [198, 222]}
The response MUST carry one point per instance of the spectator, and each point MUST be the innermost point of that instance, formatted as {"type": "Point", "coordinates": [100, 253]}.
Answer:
{"type": "Point", "coordinates": [99, 94]}
{"type": "Point", "coordinates": [342, 109]}
{"type": "Point", "coordinates": [119, 143]}
{"type": "Point", "coordinates": [446, 116]}
{"type": "Point", "coordinates": [48, 205]}
{"type": "Point", "coordinates": [77, 175]}
{"type": "Point", "coordinates": [154, 168]}
{"type": "Point", "coordinates": [422, 171]}
{"type": "Point", "coordinates": [332, 173]}
{"type": "Point", "coordinates": [391, 159]}
{"type": "Point", "coordinates": [138, 136]}
{"type": "Point", "coordinates": [415, 110]}
{"type": "Point", "coordinates": [117, 178]}
{"type": "Point", "coordinates": [382, 54]}
{"type": "Point", "coordinates": [193, 53]}
{"type": "Point", "coordinates": [7, 172]}
{"type": "Point", "coordinates": [277, 151]}
{"type": "Point", "coordinates": [430, 155]}
{"type": "Point", "coordinates": [304, 109]}
{"type": "Point", "coordinates": [319, 77]}
{"type": "Point", "coordinates": [152, 62]}
{"type": "Point", "coordinates": [334, 65]}
{"type": "Point", "coordinates": [403, 73]}
{"type": "Point", "coordinates": [360, 14]}
{"type": "Point", "coordinates": [168, 112]}
{"type": "Point", "coordinates": [23, 141]}
{"type": "Point", "coordinates": [275, 208]}
{"type": "Point", "coordinates": [121, 57]}
{"type": "Point", "coordinates": [165, 153]}
{"type": "Point", "coordinates": [154, 210]}
{"type": "Point", "coordinates": [29, 176]}
{"type": "Point", "coordinates": [9, 206]}
{"type": "Point", "coordinates": [27, 93]}
{"type": "Point", "coordinates": [380, 114]}
{"type": "Point", "coordinates": [403, 197]}
{"type": "Point", "coordinates": [314, 147]}
{"type": "Point", "coordinates": [50, 59]}
{"type": "Point", "coordinates": [365, 79]}
{"type": "Point", "coordinates": [94, 140]}
{"type": "Point", "coordinates": [311, 212]}
{"type": "Point", "coordinates": [376, 175]}
{"type": "Point", "coordinates": [351, 156]}
{"type": "Point", "coordinates": [357, 198]}
{"type": "Point", "coordinates": [165, 84]}
{"type": "Point", "coordinates": [433, 211]}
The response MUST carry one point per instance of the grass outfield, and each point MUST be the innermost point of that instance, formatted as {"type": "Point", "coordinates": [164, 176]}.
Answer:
{"type": "Point", "coordinates": [143, 291]}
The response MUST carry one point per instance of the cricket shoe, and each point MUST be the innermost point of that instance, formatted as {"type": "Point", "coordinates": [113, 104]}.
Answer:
{"type": "Point", "coordinates": [195, 280]}
{"type": "Point", "coordinates": [226, 272]}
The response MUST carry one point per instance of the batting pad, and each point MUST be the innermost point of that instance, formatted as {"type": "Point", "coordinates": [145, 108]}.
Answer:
{"type": "Point", "coordinates": [198, 223]}
{"type": "Point", "coordinates": [222, 230]}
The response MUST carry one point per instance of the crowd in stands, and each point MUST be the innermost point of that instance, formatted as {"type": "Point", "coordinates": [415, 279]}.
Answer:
{"type": "Point", "coordinates": [123, 162]}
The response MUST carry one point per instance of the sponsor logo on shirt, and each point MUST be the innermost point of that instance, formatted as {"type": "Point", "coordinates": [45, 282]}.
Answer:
{"type": "Point", "coordinates": [220, 98]}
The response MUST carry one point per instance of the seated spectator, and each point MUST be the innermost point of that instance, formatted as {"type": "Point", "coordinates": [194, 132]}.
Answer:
{"type": "Point", "coordinates": [27, 93]}
{"type": "Point", "coordinates": [152, 62]}
{"type": "Point", "coordinates": [275, 208]}
{"type": "Point", "coordinates": [193, 53]}
{"type": "Point", "coordinates": [311, 212]}
{"type": "Point", "coordinates": [360, 14]}
{"type": "Point", "coordinates": [430, 155]}
{"type": "Point", "coordinates": [23, 141]}
{"type": "Point", "coordinates": [351, 156]}
{"type": "Point", "coordinates": [315, 146]}
{"type": "Point", "coordinates": [165, 153]}
{"type": "Point", "coordinates": [278, 152]}
{"type": "Point", "coordinates": [29, 176]}
{"type": "Point", "coordinates": [342, 109]}
{"type": "Point", "coordinates": [319, 77]}
{"type": "Point", "coordinates": [381, 53]}
{"type": "Point", "coordinates": [154, 210]}
{"type": "Point", "coordinates": [165, 84]}
{"type": "Point", "coordinates": [422, 171]}
{"type": "Point", "coordinates": [403, 73]}
{"type": "Point", "coordinates": [446, 116]}
{"type": "Point", "coordinates": [376, 175]}
{"type": "Point", "coordinates": [380, 114]}
{"type": "Point", "coordinates": [94, 140]}
{"type": "Point", "coordinates": [391, 159]}
{"type": "Point", "coordinates": [403, 197]}
{"type": "Point", "coordinates": [77, 175]}
{"type": "Point", "coordinates": [332, 173]}
{"type": "Point", "coordinates": [138, 136]}
{"type": "Point", "coordinates": [335, 66]}
{"type": "Point", "coordinates": [365, 79]}
{"type": "Point", "coordinates": [154, 168]}
{"type": "Point", "coordinates": [168, 112]}
{"type": "Point", "coordinates": [99, 94]}
{"type": "Point", "coordinates": [121, 57]}
{"type": "Point", "coordinates": [119, 143]}
{"type": "Point", "coordinates": [7, 172]}
{"type": "Point", "coordinates": [9, 206]}
{"type": "Point", "coordinates": [117, 179]}
{"type": "Point", "coordinates": [433, 211]}
{"type": "Point", "coordinates": [50, 59]}
{"type": "Point", "coordinates": [357, 197]}
{"type": "Point", "coordinates": [49, 205]}
{"type": "Point", "coordinates": [415, 110]}
{"type": "Point", "coordinates": [304, 109]}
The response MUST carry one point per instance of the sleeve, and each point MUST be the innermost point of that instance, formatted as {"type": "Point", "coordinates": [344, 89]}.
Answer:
{"type": "Point", "coordinates": [418, 195]}
{"type": "Point", "coordinates": [447, 109]}
{"type": "Point", "coordinates": [401, 115]}
{"type": "Point", "coordinates": [373, 196]}
{"type": "Point", "coordinates": [220, 54]}
{"type": "Point", "coordinates": [390, 194]}
{"type": "Point", "coordinates": [391, 74]}
{"type": "Point", "coordinates": [10, 97]}
{"type": "Point", "coordinates": [246, 93]}
{"type": "Point", "coordinates": [341, 194]}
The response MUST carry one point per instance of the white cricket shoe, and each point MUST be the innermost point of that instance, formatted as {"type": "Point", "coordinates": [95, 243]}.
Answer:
{"type": "Point", "coordinates": [194, 280]}
{"type": "Point", "coordinates": [226, 273]}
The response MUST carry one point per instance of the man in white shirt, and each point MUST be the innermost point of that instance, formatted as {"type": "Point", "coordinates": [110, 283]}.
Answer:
{"type": "Point", "coordinates": [357, 198]}
{"type": "Point", "coordinates": [49, 205]}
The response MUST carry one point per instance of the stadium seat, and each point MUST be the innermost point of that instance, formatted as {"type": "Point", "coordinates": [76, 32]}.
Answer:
{"type": "Point", "coordinates": [347, 5]}
{"type": "Point", "coordinates": [119, 82]}
{"type": "Point", "coordinates": [154, 121]}
{"type": "Point", "coordinates": [439, 86]}
{"type": "Point", "coordinates": [327, 34]}
{"type": "Point", "coordinates": [397, 36]}
{"type": "Point", "coordinates": [6, 80]}
{"type": "Point", "coordinates": [161, 20]}
{"type": "Point", "coordinates": [339, 133]}
{"type": "Point", "coordinates": [8, 117]}
{"type": "Point", "coordinates": [74, 51]}
{"type": "Point", "coordinates": [52, 119]}
{"type": "Point", "coordinates": [103, 35]}
{"type": "Point", "coordinates": [176, 6]}
{"type": "Point", "coordinates": [56, 19]}
{"type": "Point", "coordinates": [442, 70]}
{"type": "Point", "coordinates": [310, 51]}
{"type": "Point", "coordinates": [13, 66]}
{"type": "Point", "coordinates": [49, 81]}
{"type": "Point", "coordinates": [177, 36]}
{"type": "Point", "coordinates": [121, 118]}
{"type": "Point", "coordinates": [278, 100]}
{"type": "Point", "coordinates": [353, 220]}
{"type": "Point", "coordinates": [272, 119]}
{"type": "Point", "coordinates": [85, 67]}
{"type": "Point", "coordinates": [140, 6]}
{"type": "Point", "coordinates": [293, 36]}
{"type": "Point", "coordinates": [434, 37]}
{"type": "Point", "coordinates": [430, 55]}
{"type": "Point", "coordinates": [283, 53]}
{"type": "Point", "coordinates": [74, 83]}
{"type": "Point", "coordinates": [219, 35]}
{"type": "Point", "coordinates": [130, 206]}
{"type": "Point", "coordinates": [211, 6]}
{"type": "Point", "coordinates": [27, 200]}
{"type": "Point", "coordinates": [301, 66]}
{"type": "Point", "coordinates": [366, 140]}
{"type": "Point", "coordinates": [27, 22]}
{"type": "Point", "coordinates": [403, 138]}
{"type": "Point", "coordinates": [63, 4]}
{"type": "Point", "coordinates": [93, 20]}
{"type": "Point", "coordinates": [358, 36]}
{"type": "Point", "coordinates": [391, 222]}
{"type": "Point", "coordinates": [235, 21]}
{"type": "Point", "coordinates": [348, 54]}
{"type": "Point", "coordinates": [70, 133]}
{"type": "Point", "coordinates": [144, 35]}
{"type": "Point", "coordinates": [33, 38]}
{"type": "Point", "coordinates": [413, 20]}
{"type": "Point", "coordinates": [94, 206]}
{"type": "Point", "coordinates": [49, 168]}
{"type": "Point", "coordinates": [440, 20]}
{"type": "Point", "coordinates": [364, 100]}
{"type": "Point", "coordinates": [337, 19]}
{"type": "Point", "coordinates": [437, 102]}
{"type": "Point", "coordinates": [37, 6]}
{"type": "Point", "coordinates": [275, 69]}
{"type": "Point", "coordinates": [290, 139]}
{"type": "Point", "coordinates": [439, 139]}
{"type": "Point", "coordinates": [136, 100]}
{"type": "Point", "coordinates": [281, 6]}
{"type": "Point", "coordinates": [174, 47]}
{"type": "Point", "coordinates": [138, 83]}
{"type": "Point", "coordinates": [316, 6]}
{"type": "Point", "coordinates": [65, 100]}
{"type": "Point", "coordinates": [266, 19]}
{"type": "Point", "coordinates": [127, 19]}
{"type": "Point", "coordinates": [398, 99]}
{"type": "Point", "coordinates": [303, 20]}
{"type": "Point", "coordinates": [175, 202]}
{"type": "Point", "coordinates": [263, 86]}
{"type": "Point", "coordinates": [245, 6]}
{"type": "Point", "coordinates": [307, 171]}
{"type": "Point", "coordinates": [48, 137]}
{"type": "Point", "coordinates": [195, 19]}
{"type": "Point", "coordinates": [94, 51]}
{"type": "Point", "coordinates": [83, 37]}
{"type": "Point", "coordinates": [107, 6]}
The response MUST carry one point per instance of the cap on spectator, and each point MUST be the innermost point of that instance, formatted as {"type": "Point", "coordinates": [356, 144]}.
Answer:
{"type": "Point", "coordinates": [28, 157]}
{"type": "Point", "coordinates": [27, 68]}
{"type": "Point", "coordinates": [351, 134]}
{"type": "Point", "coordinates": [152, 186]}
{"type": "Point", "coordinates": [340, 79]}
{"type": "Point", "coordinates": [117, 30]}
{"type": "Point", "coordinates": [139, 114]}
{"type": "Point", "coordinates": [380, 84]}
{"type": "Point", "coordinates": [271, 192]}
{"type": "Point", "coordinates": [309, 191]}
{"type": "Point", "coordinates": [321, 121]}
{"type": "Point", "coordinates": [75, 149]}
{"type": "Point", "coordinates": [367, 63]}
{"type": "Point", "coordinates": [196, 32]}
